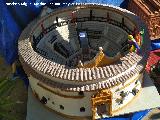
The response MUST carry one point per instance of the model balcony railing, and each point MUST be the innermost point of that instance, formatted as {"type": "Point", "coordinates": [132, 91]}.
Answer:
{"type": "Point", "coordinates": [84, 19]}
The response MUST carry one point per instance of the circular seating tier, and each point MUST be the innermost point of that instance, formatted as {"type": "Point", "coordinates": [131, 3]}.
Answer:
{"type": "Point", "coordinates": [40, 59]}
{"type": "Point", "coordinates": [106, 36]}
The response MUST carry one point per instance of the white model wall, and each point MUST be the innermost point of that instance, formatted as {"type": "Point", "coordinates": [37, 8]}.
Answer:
{"type": "Point", "coordinates": [129, 88]}
{"type": "Point", "coordinates": [71, 106]}
{"type": "Point", "coordinates": [33, 82]}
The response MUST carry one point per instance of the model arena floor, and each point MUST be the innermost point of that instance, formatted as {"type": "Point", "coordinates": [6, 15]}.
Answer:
{"type": "Point", "coordinates": [147, 99]}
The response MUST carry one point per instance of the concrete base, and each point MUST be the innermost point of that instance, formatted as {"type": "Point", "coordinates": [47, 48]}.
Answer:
{"type": "Point", "coordinates": [147, 99]}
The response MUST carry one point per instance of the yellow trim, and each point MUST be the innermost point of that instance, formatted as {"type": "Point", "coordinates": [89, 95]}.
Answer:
{"type": "Point", "coordinates": [123, 107]}
{"type": "Point", "coordinates": [56, 93]}
{"type": "Point", "coordinates": [101, 60]}
{"type": "Point", "coordinates": [103, 96]}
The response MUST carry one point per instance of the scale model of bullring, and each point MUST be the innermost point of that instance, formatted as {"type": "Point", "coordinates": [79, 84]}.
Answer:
{"type": "Point", "coordinates": [80, 60]}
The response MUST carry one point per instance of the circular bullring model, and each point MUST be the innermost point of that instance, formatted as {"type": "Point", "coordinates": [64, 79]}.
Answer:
{"type": "Point", "coordinates": [86, 60]}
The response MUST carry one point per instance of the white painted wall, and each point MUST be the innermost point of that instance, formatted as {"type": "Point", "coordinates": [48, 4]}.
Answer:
{"type": "Point", "coordinates": [72, 106]}
{"type": "Point", "coordinates": [130, 96]}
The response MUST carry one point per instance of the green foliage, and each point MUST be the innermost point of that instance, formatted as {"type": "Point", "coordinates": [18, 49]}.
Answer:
{"type": "Point", "coordinates": [5, 109]}
{"type": "Point", "coordinates": [6, 104]}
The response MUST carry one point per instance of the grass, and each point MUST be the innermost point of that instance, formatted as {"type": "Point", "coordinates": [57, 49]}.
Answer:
{"type": "Point", "coordinates": [13, 95]}
{"type": "Point", "coordinates": [13, 100]}
{"type": "Point", "coordinates": [6, 86]}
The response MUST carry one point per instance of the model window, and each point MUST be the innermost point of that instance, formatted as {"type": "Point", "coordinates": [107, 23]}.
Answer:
{"type": "Point", "coordinates": [81, 93]}
{"type": "Point", "coordinates": [123, 94]}
{"type": "Point", "coordinates": [61, 107]}
{"type": "Point", "coordinates": [134, 91]}
{"type": "Point", "coordinates": [82, 109]}
{"type": "Point", "coordinates": [136, 82]}
{"type": "Point", "coordinates": [43, 100]}
{"type": "Point", "coordinates": [120, 102]}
